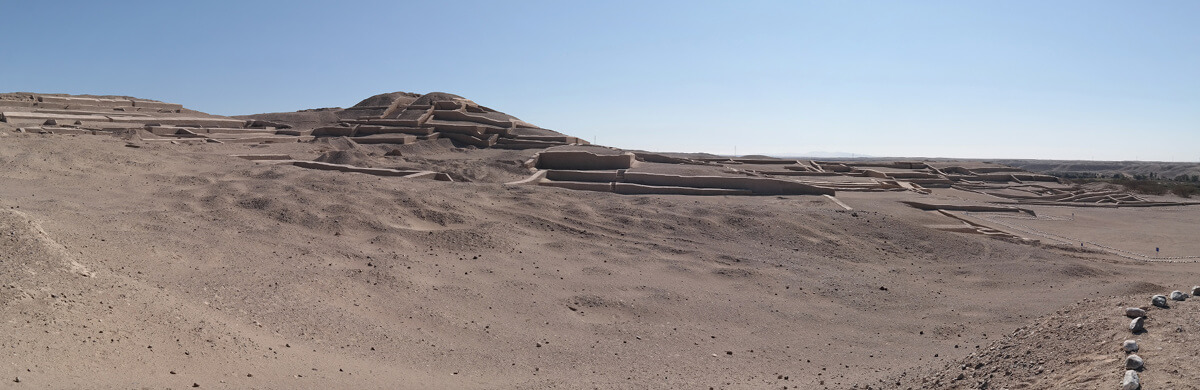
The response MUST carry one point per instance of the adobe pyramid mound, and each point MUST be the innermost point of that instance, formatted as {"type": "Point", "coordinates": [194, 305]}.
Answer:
{"type": "Point", "coordinates": [404, 118]}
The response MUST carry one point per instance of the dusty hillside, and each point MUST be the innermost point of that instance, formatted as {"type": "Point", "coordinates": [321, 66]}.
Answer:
{"type": "Point", "coordinates": [211, 270]}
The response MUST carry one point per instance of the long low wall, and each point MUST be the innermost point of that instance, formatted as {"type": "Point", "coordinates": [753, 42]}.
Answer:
{"type": "Point", "coordinates": [641, 189]}
{"type": "Point", "coordinates": [36, 118]}
{"type": "Point", "coordinates": [72, 101]}
{"type": "Point", "coordinates": [592, 176]}
{"type": "Point", "coordinates": [258, 139]}
{"type": "Point", "coordinates": [510, 143]}
{"type": "Point", "coordinates": [386, 122]}
{"type": "Point", "coordinates": [913, 175]}
{"type": "Point", "coordinates": [932, 183]}
{"type": "Point", "coordinates": [184, 121]}
{"type": "Point", "coordinates": [385, 139]}
{"type": "Point", "coordinates": [157, 105]}
{"type": "Point", "coordinates": [369, 130]}
{"type": "Point", "coordinates": [456, 115]}
{"type": "Point", "coordinates": [469, 128]}
{"type": "Point", "coordinates": [39, 118]}
{"type": "Point", "coordinates": [799, 173]}
{"type": "Point", "coordinates": [552, 138]}
{"type": "Point", "coordinates": [90, 112]}
{"type": "Point", "coordinates": [263, 157]}
{"type": "Point", "coordinates": [977, 208]}
{"type": "Point", "coordinates": [171, 130]}
{"type": "Point", "coordinates": [764, 161]}
{"type": "Point", "coordinates": [579, 185]}
{"type": "Point", "coordinates": [759, 186]}
{"type": "Point", "coordinates": [86, 101]}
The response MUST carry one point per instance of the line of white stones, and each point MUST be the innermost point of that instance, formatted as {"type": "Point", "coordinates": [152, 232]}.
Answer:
{"type": "Point", "coordinates": [1133, 362]}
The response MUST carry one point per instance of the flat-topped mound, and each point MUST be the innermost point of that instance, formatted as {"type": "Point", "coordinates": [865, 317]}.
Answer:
{"type": "Point", "coordinates": [435, 115]}
{"type": "Point", "coordinates": [59, 112]}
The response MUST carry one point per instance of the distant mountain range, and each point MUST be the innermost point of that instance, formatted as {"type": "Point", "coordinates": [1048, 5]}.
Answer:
{"type": "Point", "coordinates": [822, 155]}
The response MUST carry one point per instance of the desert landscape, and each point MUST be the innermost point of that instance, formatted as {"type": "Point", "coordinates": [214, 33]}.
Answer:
{"type": "Point", "coordinates": [427, 241]}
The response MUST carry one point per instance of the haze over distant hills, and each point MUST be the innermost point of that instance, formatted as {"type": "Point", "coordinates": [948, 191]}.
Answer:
{"type": "Point", "coordinates": [821, 154]}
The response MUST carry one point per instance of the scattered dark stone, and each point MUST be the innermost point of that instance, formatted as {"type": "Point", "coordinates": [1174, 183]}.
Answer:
{"type": "Point", "coordinates": [1138, 325]}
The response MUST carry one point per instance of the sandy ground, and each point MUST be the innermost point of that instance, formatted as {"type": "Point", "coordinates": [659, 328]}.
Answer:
{"type": "Point", "coordinates": [1173, 232]}
{"type": "Point", "coordinates": [169, 266]}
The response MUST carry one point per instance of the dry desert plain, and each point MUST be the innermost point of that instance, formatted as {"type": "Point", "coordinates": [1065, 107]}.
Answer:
{"type": "Point", "coordinates": [425, 241]}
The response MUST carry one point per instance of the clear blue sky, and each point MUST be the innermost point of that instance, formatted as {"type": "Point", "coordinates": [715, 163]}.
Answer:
{"type": "Point", "coordinates": [1109, 80]}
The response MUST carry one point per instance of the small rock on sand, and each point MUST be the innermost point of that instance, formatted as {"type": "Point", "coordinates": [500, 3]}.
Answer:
{"type": "Point", "coordinates": [1131, 381]}
{"type": "Point", "coordinates": [1130, 346]}
{"type": "Point", "coordinates": [1159, 300]}
{"type": "Point", "coordinates": [1135, 312]}
{"type": "Point", "coordinates": [1178, 295]}
{"type": "Point", "coordinates": [1133, 362]}
{"type": "Point", "coordinates": [1195, 290]}
{"type": "Point", "coordinates": [1138, 325]}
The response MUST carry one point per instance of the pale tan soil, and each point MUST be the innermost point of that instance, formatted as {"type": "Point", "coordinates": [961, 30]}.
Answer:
{"type": "Point", "coordinates": [1174, 230]}
{"type": "Point", "coordinates": [236, 274]}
